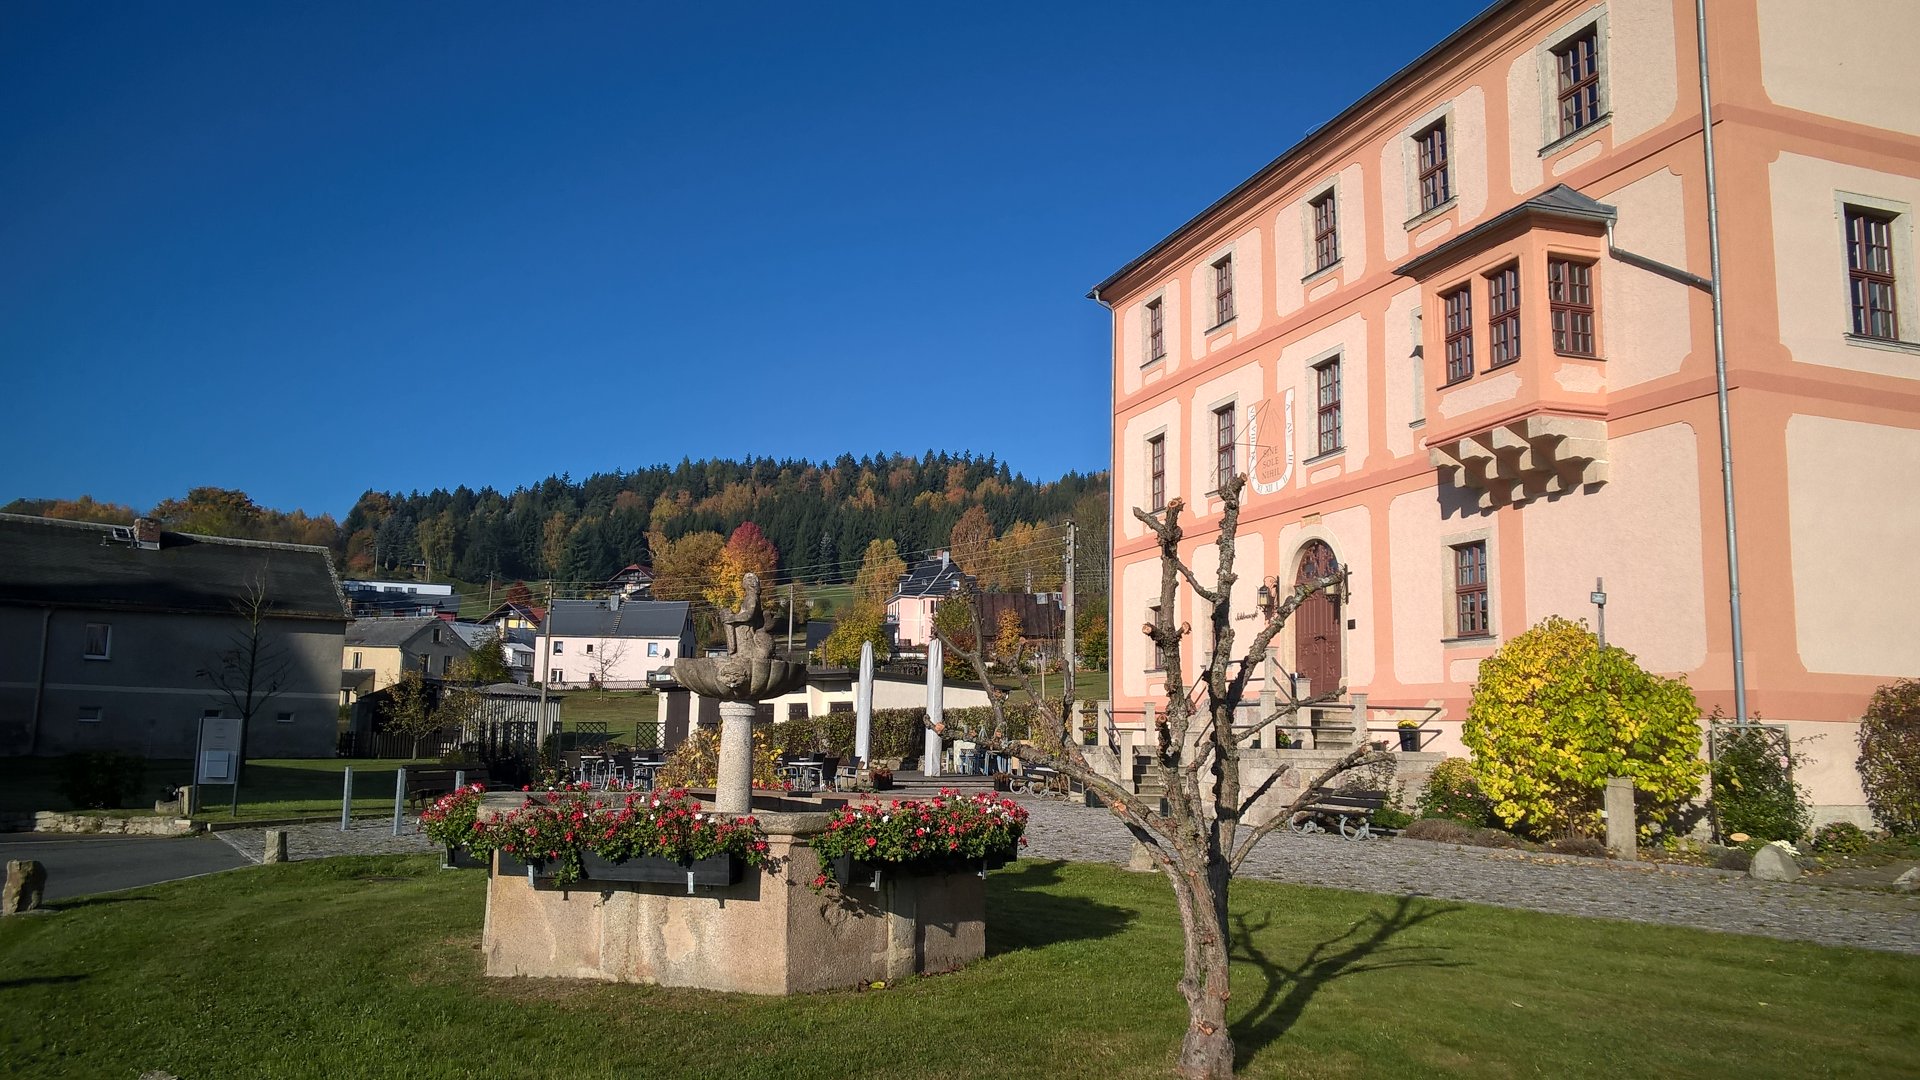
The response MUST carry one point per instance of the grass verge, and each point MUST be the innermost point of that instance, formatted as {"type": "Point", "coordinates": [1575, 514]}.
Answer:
{"type": "Point", "coordinates": [371, 967]}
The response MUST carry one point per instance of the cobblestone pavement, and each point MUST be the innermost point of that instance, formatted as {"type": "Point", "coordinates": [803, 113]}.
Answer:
{"type": "Point", "coordinates": [1682, 896]}
{"type": "Point", "coordinates": [323, 841]}
{"type": "Point", "coordinates": [1702, 899]}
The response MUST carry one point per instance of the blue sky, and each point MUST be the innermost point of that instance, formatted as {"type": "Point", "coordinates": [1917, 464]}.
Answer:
{"type": "Point", "coordinates": [307, 249]}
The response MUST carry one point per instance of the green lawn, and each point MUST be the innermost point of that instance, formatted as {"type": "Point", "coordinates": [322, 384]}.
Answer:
{"type": "Point", "coordinates": [370, 967]}
{"type": "Point", "coordinates": [271, 787]}
{"type": "Point", "coordinates": [622, 710]}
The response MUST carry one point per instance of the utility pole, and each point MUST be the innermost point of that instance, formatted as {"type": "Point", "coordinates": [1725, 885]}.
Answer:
{"type": "Point", "coordinates": [546, 663]}
{"type": "Point", "coordinates": [789, 618]}
{"type": "Point", "coordinates": [1066, 638]}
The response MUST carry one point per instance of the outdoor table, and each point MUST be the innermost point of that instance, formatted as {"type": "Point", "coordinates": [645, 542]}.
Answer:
{"type": "Point", "coordinates": [805, 773]}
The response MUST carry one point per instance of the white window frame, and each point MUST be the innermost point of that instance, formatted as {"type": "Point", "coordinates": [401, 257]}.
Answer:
{"type": "Point", "coordinates": [1329, 190]}
{"type": "Point", "coordinates": [1410, 156]}
{"type": "Point", "coordinates": [1548, 62]}
{"type": "Point", "coordinates": [1906, 298]}
{"type": "Point", "coordinates": [86, 646]}
{"type": "Point", "coordinates": [1158, 301]}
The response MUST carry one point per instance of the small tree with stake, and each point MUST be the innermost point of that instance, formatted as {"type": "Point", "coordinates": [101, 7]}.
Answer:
{"type": "Point", "coordinates": [252, 670]}
{"type": "Point", "coordinates": [1200, 837]}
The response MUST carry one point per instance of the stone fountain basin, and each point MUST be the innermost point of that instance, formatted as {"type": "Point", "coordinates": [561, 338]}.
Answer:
{"type": "Point", "coordinates": [739, 678]}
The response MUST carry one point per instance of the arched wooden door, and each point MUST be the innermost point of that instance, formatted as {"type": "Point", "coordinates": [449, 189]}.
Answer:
{"type": "Point", "coordinates": [1316, 625]}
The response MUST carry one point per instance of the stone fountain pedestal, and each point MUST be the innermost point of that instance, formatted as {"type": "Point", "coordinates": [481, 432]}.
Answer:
{"type": "Point", "coordinates": [769, 934]}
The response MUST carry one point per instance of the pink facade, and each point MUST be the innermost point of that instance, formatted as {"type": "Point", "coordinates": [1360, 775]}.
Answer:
{"type": "Point", "coordinates": [1450, 340]}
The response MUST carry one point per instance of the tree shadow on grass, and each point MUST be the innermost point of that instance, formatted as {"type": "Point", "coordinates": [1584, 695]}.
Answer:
{"type": "Point", "coordinates": [1025, 911]}
{"type": "Point", "coordinates": [1365, 946]}
{"type": "Point", "coordinates": [96, 901]}
{"type": "Point", "coordinates": [41, 980]}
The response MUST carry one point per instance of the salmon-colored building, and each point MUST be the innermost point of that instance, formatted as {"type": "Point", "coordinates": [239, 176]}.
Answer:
{"type": "Point", "coordinates": [1462, 342]}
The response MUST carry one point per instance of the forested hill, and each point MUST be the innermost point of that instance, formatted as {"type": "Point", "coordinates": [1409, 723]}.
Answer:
{"type": "Point", "coordinates": [819, 515]}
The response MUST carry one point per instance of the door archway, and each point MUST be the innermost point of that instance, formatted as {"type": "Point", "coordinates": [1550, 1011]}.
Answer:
{"type": "Point", "coordinates": [1316, 630]}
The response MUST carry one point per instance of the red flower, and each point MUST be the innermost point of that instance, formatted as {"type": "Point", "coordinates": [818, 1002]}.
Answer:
{"type": "Point", "coordinates": [871, 841]}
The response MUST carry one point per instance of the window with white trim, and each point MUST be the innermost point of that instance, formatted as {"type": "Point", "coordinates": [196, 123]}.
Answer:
{"type": "Point", "coordinates": [1223, 290]}
{"type": "Point", "coordinates": [1156, 316]}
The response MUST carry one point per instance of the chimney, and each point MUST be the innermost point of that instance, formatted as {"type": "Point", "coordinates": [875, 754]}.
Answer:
{"type": "Point", "coordinates": [146, 533]}
{"type": "Point", "coordinates": [943, 559]}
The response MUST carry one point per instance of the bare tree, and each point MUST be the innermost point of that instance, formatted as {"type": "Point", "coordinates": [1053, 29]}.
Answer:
{"type": "Point", "coordinates": [253, 670]}
{"type": "Point", "coordinates": [606, 657]}
{"type": "Point", "coordinates": [1200, 836]}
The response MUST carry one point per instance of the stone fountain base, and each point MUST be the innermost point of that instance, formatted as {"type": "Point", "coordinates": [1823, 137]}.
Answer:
{"type": "Point", "coordinates": [768, 934]}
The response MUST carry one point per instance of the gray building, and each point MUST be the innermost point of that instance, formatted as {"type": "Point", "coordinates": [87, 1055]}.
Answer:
{"type": "Point", "coordinates": [121, 638]}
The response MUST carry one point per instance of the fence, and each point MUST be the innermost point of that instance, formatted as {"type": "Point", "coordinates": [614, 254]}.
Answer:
{"type": "Point", "coordinates": [479, 740]}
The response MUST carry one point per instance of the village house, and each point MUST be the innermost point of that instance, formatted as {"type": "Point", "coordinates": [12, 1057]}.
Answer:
{"type": "Point", "coordinates": [612, 643]}
{"type": "Point", "coordinates": [910, 610]}
{"type": "Point", "coordinates": [379, 649]}
{"type": "Point", "coordinates": [1461, 341]}
{"type": "Point", "coordinates": [117, 637]}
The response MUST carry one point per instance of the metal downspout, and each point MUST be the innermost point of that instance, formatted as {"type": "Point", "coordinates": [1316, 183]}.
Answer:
{"type": "Point", "coordinates": [40, 682]}
{"type": "Point", "coordinates": [1720, 370]}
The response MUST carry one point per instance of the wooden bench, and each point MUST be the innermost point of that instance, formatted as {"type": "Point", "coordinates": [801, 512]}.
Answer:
{"type": "Point", "coordinates": [1346, 811]}
{"type": "Point", "coordinates": [427, 784]}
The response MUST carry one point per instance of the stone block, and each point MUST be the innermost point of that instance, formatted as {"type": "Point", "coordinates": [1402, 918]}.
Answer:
{"type": "Point", "coordinates": [1623, 838]}
{"type": "Point", "coordinates": [1909, 881]}
{"type": "Point", "coordinates": [1141, 861]}
{"type": "Point", "coordinates": [276, 851]}
{"type": "Point", "coordinates": [1772, 863]}
{"type": "Point", "coordinates": [26, 883]}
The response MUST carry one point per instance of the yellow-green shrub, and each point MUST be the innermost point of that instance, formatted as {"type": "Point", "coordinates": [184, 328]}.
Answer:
{"type": "Point", "coordinates": [1554, 715]}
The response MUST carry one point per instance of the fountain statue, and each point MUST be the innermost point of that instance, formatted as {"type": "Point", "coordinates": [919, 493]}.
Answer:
{"type": "Point", "coordinates": [748, 674]}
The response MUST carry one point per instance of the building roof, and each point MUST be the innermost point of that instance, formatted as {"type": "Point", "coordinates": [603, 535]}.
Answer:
{"type": "Point", "coordinates": [932, 577]}
{"type": "Point", "coordinates": [473, 633]}
{"type": "Point", "coordinates": [393, 633]}
{"type": "Point", "coordinates": [533, 613]}
{"type": "Point", "coordinates": [1301, 149]}
{"type": "Point", "coordinates": [1557, 203]}
{"type": "Point", "coordinates": [53, 563]}
{"type": "Point", "coordinates": [617, 618]}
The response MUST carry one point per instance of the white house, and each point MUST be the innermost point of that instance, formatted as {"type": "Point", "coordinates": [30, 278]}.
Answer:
{"type": "Point", "coordinates": [613, 643]}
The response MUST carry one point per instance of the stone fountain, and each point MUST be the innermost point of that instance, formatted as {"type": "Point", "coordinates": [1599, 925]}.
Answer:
{"type": "Point", "coordinates": [767, 933]}
{"type": "Point", "coordinates": [748, 674]}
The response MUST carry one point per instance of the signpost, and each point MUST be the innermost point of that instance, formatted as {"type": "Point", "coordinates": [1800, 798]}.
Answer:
{"type": "Point", "coordinates": [217, 757]}
{"type": "Point", "coordinates": [1599, 598]}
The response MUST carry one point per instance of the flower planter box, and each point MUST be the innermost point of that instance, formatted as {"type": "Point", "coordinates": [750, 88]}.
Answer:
{"type": "Point", "coordinates": [717, 870]}
{"type": "Point", "coordinates": [1410, 739]}
{"type": "Point", "coordinates": [459, 858]}
{"type": "Point", "coordinates": [850, 871]}
{"type": "Point", "coordinates": [714, 870]}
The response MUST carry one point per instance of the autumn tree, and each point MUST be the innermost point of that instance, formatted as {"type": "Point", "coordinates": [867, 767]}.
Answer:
{"type": "Point", "coordinates": [1026, 558]}
{"type": "Point", "coordinates": [1008, 641]}
{"type": "Point", "coordinates": [518, 593]}
{"type": "Point", "coordinates": [436, 543]}
{"type": "Point", "coordinates": [969, 540]}
{"type": "Point", "coordinates": [211, 511]}
{"type": "Point", "coordinates": [84, 508]}
{"type": "Point", "coordinates": [880, 571]}
{"type": "Point", "coordinates": [748, 551]}
{"type": "Point", "coordinates": [1212, 815]}
{"type": "Point", "coordinates": [861, 623]}
{"type": "Point", "coordinates": [684, 569]}
{"type": "Point", "coordinates": [411, 708]}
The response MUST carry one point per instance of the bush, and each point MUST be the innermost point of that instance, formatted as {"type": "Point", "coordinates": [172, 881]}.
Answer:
{"type": "Point", "coordinates": [1452, 793]}
{"type": "Point", "coordinates": [696, 764]}
{"type": "Point", "coordinates": [1585, 846]}
{"type": "Point", "coordinates": [1553, 716]}
{"type": "Point", "coordinates": [1449, 831]}
{"type": "Point", "coordinates": [101, 779]}
{"type": "Point", "coordinates": [1889, 760]}
{"type": "Point", "coordinates": [1753, 788]}
{"type": "Point", "coordinates": [1840, 838]}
